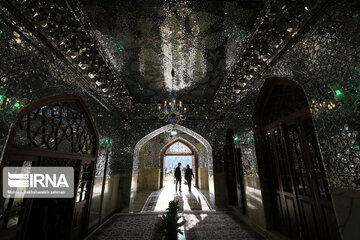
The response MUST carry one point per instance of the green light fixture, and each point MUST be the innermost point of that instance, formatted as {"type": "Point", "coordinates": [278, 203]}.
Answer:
{"type": "Point", "coordinates": [339, 94]}
{"type": "Point", "coordinates": [120, 47]}
{"type": "Point", "coordinates": [236, 139]}
{"type": "Point", "coordinates": [16, 105]}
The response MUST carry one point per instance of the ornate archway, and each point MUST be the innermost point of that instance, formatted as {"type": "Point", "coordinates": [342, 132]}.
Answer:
{"type": "Point", "coordinates": [204, 142]}
{"type": "Point", "coordinates": [55, 131]}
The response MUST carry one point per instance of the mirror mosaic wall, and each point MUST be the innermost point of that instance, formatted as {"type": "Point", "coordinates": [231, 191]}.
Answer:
{"type": "Point", "coordinates": [314, 44]}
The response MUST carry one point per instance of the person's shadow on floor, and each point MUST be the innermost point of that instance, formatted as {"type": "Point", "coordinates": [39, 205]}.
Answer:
{"type": "Point", "coordinates": [179, 197]}
{"type": "Point", "coordinates": [194, 203]}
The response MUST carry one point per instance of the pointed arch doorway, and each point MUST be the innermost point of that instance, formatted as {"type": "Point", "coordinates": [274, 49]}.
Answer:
{"type": "Point", "coordinates": [203, 158]}
{"type": "Point", "coordinates": [291, 165]}
{"type": "Point", "coordinates": [56, 131]}
{"type": "Point", "coordinates": [178, 151]}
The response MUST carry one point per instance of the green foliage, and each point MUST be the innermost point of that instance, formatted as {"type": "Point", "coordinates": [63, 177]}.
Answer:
{"type": "Point", "coordinates": [169, 225]}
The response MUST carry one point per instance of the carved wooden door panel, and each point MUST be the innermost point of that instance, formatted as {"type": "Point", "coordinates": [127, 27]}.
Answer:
{"type": "Point", "coordinates": [82, 199]}
{"type": "Point", "coordinates": [304, 208]}
{"type": "Point", "coordinates": [327, 224]}
{"type": "Point", "coordinates": [55, 131]}
{"type": "Point", "coordinates": [285, 196]}
{"type": "Point", "coordinates": [291, 159]}
{"type": "Point", "coordinates": [302, 182]}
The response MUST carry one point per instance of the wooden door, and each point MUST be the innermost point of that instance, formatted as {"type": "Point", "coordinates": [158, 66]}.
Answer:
{"type": "Point", "coordinates": [82, 199]}
{"type": "Point", "coordinates": [327, 224]}
{"type": "Point", "coordinates": [50, 217]}
{"type": "Point", "coordinates": [285, 197]}
{"type": "Point", "coordinates": [55, 131]}
{"type": "Point", "coordinates": [55, 218]}
{"type": "Point", "coordinates": [228, 154]}
{"type": "Point", "coordinates": [291, 159]}
{"type": "Point", "coordinates": [239, 173]}
{"type": "Point", "coordinates": [304, 208]}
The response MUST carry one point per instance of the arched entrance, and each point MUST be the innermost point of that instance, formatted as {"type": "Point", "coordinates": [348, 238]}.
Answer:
{"type": "Point", "coordinates": [175, 152]}
{"type": "Point", "coordinates": [290, 163]}
{"type": "Point", "coordinates": [205, 164]}
{"type": "Point", "coordinates": [55, 131]}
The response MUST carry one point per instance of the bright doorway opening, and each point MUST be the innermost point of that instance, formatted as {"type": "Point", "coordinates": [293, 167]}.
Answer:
{"type": "Point", "coordinates": [178, 151]}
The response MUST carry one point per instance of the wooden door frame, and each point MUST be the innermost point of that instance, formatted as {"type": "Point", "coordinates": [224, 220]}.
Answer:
{"type": "Point", "coordinates": [311, 172]}
{"type": "Point", "coordinates": [41, 152]}
{"type": "Point", "coordinates": [259, 131]}
{"type": "Point", "coordinates": [266, 179]}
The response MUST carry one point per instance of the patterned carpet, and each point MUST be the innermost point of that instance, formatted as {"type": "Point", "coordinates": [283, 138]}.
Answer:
{"type": "Point", "coordinates": [199, 225]}
{"type": "Point", "coordinates": [201, 221]}
{"type": "Point", "coordinates": [128, 227]}
{"type": "Point", "coordinates": [216, 225]}
{"type": "Point", "coordinates": [150, 203]}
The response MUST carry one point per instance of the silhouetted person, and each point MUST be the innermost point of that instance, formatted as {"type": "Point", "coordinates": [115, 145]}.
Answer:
{"type": "Point", "coordinates": [178, 177]}
{"type": "Point", "coordinates": [188, 176]}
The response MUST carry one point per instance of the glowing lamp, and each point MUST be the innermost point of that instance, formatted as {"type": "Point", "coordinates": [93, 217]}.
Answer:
{"type": "Point", "coordinates": [339, 94]}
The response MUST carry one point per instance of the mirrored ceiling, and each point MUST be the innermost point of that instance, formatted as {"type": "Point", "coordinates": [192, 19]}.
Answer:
{"type": "Point", "coordinates": [144, 40]}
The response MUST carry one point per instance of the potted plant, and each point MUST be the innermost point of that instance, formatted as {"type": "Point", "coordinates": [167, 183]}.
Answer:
{"type": "Point", "coordinates": [169, 225]}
